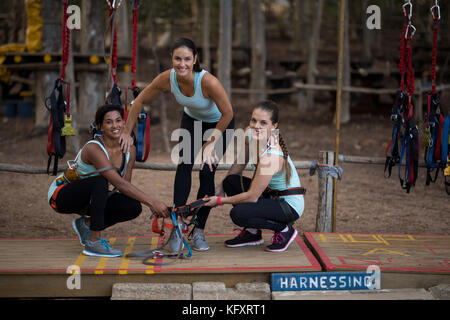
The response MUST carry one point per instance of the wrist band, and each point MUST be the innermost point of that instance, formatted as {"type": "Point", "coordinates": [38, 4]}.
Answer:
{"type": "Point", "coordinates": [219, 199]}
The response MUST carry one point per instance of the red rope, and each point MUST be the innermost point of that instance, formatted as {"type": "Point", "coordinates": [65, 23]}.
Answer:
{"type": "Point", "coordinates": [401, 64]}
{"type": "Point", "coordinates": [433, 61]}
{"type": "Point", "coordinates": [65, 40]}
{"type": "Point", "coordinates": [133, 61]}
{"type": "Point", "coordinates": [113, 57]}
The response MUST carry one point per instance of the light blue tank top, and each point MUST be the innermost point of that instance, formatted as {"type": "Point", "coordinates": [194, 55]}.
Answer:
{"type": "Point", "coordinates": [84, 168]}
{"type": "Point", "coordinates": [278, 181]}
{"type": "Point", "coordinates": [197, 106]}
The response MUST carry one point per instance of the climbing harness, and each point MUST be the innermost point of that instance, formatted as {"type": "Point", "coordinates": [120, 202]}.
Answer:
{"type": "Point", "coordinates": [59, 106]}
{"type": "Point", "coordinates": [405, 135]}
{"type": "Point", "coordinates": [275, 194]}
{"type": "Point", "coordinates": [143, 120]}
{"type": "Point", "coordinates": [113, 91]}
{"type": "Point", "coordinates": [178, 216]}
{"type": "Point", "coordinates": [445, 158]}
{"type": "Point", "coordinates": [434, 158]}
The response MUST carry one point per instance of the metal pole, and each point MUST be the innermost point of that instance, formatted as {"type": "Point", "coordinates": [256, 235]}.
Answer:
{"type": "Point", "coordinates": [338, 99]}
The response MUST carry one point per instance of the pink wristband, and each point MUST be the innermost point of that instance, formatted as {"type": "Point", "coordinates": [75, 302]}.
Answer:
{"type": "Point", "coordinates": [219, 199]}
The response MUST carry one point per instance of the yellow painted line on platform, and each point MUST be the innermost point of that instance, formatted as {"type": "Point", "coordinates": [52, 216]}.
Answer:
{"type": "Point", "coordinates": [153, 244]}
{"type": "Point", "coordinates": [125, 261]}
{"type": "Point", "coordinates": [373, 236]}
{"type": "Point", "coordinates": [80, 260]}
{"type": "Point", "coordinates": [382, 239]}
{"type": "Point", "coordinates": [102, 263]}
{"type": "Point", "coordinates": [343, 238]}
{"type": "Point", "coordinates": [322, 237]}
{"type": "Point", "coordinates": [385, 251]}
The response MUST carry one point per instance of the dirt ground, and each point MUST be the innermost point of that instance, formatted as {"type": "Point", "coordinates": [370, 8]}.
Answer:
{"type": "Point", "coordinates": [366, 201]}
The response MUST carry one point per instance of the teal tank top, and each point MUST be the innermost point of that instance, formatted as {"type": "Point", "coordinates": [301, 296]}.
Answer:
{"type": "Point", "coordinates": [278, 181]}
{"type": "Point", "coordinates": [84, 168]}
{"type": "Point", "coordinates": [197, 106]}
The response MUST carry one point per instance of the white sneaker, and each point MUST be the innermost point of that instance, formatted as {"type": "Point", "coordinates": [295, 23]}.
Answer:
{"type": "Point", "coordinates": [200, 243]}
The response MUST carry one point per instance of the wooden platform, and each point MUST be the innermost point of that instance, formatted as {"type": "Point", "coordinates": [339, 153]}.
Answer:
{"type": "Point", "coordinates": [38, 267]}
{"type": "Point", "coordinates": [405, 260]}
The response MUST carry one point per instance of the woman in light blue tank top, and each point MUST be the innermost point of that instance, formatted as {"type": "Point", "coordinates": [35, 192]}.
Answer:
{"type": "Point", "coordinates": [205, 107]}
{"type": "Point", "coordinates": [273, 198]}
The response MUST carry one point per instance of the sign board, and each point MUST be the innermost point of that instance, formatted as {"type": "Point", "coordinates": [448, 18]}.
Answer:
{"type": "Point", "coordinates": [322, 281]}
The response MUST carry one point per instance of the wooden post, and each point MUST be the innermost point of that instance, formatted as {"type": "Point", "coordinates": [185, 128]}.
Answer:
{"type": "Point", "coordinates": [258, 52]}
{"type": "Point", "coordinates": [225, 42]}
{"type": "Point", "coordinates": [92, 84]}
{"type": "Point", "coordinates": [324, 219]}
{"type": "Point", "coordinates": [342, 44]}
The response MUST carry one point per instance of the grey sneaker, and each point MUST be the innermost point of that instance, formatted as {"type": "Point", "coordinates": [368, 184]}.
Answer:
{"type": "Point", "coordinates": [100, 248]}
{"type": "Point", "coordinates": [81, 229]}
{"type": "Point", "coordinates": [200, 243]}
{"type": "Point", "coordinates": [174, 242]}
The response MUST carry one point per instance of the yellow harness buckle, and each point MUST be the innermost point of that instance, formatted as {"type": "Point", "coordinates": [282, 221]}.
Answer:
{"type": "Point", "coordinates": [68, 130]}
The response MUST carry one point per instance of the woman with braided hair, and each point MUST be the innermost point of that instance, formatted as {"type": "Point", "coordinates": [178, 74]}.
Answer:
{"type": "Point", "coordinates": [273, 198]}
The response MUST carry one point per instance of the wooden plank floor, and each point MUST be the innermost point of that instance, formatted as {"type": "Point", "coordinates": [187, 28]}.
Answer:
{"type": "Point", "coordinates": [405, 260]}
{"type": "Point", "coordinates": [22, 259]}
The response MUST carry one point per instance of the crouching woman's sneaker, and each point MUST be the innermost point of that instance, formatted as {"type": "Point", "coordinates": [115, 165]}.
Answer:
{"type": "Point", "coordinates": [282, 240]}
{"type": "Point", "coordinates": [100, 248]}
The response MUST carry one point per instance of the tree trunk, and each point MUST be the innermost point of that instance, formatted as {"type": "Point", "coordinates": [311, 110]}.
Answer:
{"type": "Point", "coordinates": [206, 53]}
{"type": "Point", "coordinates": [224, 49]}
{"type": "Point", "coordinates": [368, 35]}
{"type": "Point", "coordinates": [313, 51]}
{"type": "Point", "coordinates": [51, 42]}
{"type": "Point", "coordinates": [258, 45]}
{"type": "Point", "coordinates": [345, 106]}
{"type": "Point", "coordinates": [124, 39]}
{"type": "Point", "coordinates": [92, 84]}
{"type": "Point", "coordinates": [242, 37]}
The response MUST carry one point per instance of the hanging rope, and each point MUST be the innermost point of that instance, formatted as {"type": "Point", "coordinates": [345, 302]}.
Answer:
{"type": "Point", "coordinates": [133, 60]}
{"type": "Point", "coordinates": [112, 72]}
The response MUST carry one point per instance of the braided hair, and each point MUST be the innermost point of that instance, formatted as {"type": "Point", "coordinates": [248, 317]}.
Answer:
{"type": "Point", "coordinates": [272, 108]}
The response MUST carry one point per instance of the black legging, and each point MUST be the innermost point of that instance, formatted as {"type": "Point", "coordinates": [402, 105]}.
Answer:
{"type": "Point", "coordinates": [266, 213]}
{"type": "Point", "coordinates": [183, 176]}
{"type": "Point", "coordinates": [90, 196]}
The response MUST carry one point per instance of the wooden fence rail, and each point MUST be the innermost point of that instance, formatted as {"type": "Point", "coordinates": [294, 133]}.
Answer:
{"type": "Point", "coordinates": [326, 186]}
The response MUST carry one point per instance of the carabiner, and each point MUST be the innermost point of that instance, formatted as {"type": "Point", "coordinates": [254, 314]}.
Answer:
{"type": "Point", "coordinates": [410, 25]}
{"type": "Point", "coordinates": [410, 9]}
{"type": "Point", "coordinates": [434, 9]}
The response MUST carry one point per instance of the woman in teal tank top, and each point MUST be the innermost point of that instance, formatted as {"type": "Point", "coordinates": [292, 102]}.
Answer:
{"type": "Point", "coordinates": [89, 195]}
{"type": "Point", "coordinates": [205, 106]}
{"type": "Point", "coordinates": [273, 198]}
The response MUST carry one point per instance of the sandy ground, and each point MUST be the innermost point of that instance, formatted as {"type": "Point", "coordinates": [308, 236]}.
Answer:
{"type": "Point", "coordinates": [366, 200]}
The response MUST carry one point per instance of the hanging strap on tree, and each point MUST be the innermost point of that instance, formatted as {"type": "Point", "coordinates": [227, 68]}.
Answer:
{"type": "Point", "coordinates": [58, 105]}
{"type": "Point", "coordinates": [113, 91]}
{"type": "Point", "coordinates": [434, 118]}
{"type": "Point", "coordinates": [445, 157]}
{"type": "Point", "coordinates": [142, 140]}
{"type": "Point", "coordinates": [410, 136]}
{"type": "Point", "coordinates": [401, 98]}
